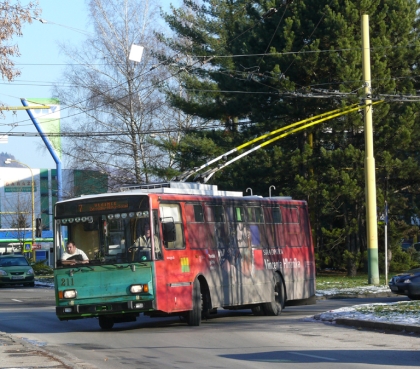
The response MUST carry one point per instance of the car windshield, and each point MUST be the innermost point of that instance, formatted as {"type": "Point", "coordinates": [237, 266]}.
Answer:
{"type": "Point", "coordinates": [13, 262]}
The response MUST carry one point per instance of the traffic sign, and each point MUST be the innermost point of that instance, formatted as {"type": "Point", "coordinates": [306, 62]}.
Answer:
{"type": "Point", "coordinates": [27, 247]}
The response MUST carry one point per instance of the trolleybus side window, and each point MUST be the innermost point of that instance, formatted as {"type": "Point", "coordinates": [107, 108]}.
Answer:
{"type": "Point", "coordinates": [292, 231]}
{"type": "Point", "coordinates": [239, 214]}
{"type": "Point", "coordinates": [216, 218]}
{"type": "Point", "coordinates": [276, 215]}
{"type": "Point", "coordinates": [200, 234]}
{"type": "Point", "coordinates": [237, 227]}
{"type": "Point", "coordinates": [256, 227]}
{"type": "Point", "coordinates": [172, 213]}
{"type": "Point", "coordinates": [274, 227]}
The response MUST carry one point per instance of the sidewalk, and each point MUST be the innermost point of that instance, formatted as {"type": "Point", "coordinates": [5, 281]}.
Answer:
{"type": "Point", "coordinates": [17, 353]}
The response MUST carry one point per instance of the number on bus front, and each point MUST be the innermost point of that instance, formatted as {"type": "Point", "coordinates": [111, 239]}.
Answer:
{"type": "Point", "coordinates": [67, 282]}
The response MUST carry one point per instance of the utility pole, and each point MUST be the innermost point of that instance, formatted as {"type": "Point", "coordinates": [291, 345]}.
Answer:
{"type": "Point", "coordinates": [370, 178]}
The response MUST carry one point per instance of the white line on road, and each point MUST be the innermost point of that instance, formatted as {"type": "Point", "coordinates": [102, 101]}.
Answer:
{"type": "Point", "coordinates": [17, 300]}
{"type": "Point", "coordinates": [314, 356]}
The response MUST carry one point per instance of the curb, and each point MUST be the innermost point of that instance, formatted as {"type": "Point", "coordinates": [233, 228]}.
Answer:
{"type": "Point", "coordinates": [16, 352]}
{"type": "Point", "coordinates": [402, 328]}
{"type": "Point", "coordinates": [356, 296]}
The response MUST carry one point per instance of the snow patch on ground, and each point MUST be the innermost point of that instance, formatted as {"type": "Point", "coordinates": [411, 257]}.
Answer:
{"type": "Point", "coordinates": [353, 291]}
{"type": "Point", "coordinates": [403, 312]}
{"type": "Point", "coordinates": [394, 312]}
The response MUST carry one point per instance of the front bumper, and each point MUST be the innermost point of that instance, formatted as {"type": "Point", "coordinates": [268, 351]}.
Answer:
{"type": "Point", "coordinates": [407, 289]}
{"type": "Point", "coordinates": [9, 280]}
{"type": "Point", "coordinates": [95, 310]}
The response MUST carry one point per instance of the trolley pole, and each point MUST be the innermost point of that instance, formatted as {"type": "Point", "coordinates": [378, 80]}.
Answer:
{"type": "Point", "coordinates": [370, 179]}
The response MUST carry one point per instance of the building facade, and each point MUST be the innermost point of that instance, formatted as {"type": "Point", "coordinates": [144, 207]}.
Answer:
{"type": "Point", "coordinates": [17, 199]}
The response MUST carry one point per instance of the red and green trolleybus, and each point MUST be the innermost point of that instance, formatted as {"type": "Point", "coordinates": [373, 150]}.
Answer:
{"type": "Point", "coordinates": [182, 249]}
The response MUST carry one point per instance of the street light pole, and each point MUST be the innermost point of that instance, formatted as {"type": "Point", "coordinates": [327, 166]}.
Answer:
{"type": "Point", "coordinates": [9, 161]}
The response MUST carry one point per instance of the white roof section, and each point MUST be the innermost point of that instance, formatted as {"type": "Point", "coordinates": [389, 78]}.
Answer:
{"type": "Point", "coordinates": [186, 188]}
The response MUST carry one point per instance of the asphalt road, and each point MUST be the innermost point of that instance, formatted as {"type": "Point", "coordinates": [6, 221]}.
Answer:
{"type": "Point", "coordinates": [231, 339]}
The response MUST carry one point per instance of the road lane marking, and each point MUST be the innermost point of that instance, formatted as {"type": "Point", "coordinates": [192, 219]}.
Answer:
{"type": "Point", "coordinates": [314, 356]}
{"type": "Point", "coordinates": [17, 300]}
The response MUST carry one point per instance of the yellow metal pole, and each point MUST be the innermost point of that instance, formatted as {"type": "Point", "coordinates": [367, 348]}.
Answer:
{"type": "Point", "coordinates": [370, 177]}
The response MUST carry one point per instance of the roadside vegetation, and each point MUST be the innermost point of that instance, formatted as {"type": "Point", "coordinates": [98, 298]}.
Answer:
{"type": "Point", "coordinates": [41, 269]}
{"type": "Point", "coordinates": [409, 308]}
{"type": "Point", "coordinates": [327, 280]}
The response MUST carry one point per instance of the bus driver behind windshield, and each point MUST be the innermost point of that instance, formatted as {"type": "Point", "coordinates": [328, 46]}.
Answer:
{"type": "Point", "coordinates": [73, 255]}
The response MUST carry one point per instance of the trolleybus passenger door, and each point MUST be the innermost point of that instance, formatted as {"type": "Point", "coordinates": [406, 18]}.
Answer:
{"type": "Point", "coordinates": [177, 285]}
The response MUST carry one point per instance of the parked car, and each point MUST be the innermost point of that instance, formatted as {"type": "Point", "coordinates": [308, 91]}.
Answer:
{"type": "Point", "coordinates": [15, 269]}
{"type": "Point", "coordinates": [407, 284]}
{"type": "Point", "coordinates": [406, 245]}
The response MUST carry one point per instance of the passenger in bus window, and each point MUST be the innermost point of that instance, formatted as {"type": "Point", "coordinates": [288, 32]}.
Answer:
{"type": "Point", "coordinates": [73, 255]}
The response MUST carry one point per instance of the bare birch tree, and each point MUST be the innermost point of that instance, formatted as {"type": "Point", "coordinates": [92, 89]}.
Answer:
{"type": "Point", "coordinates": [115, 103]}
{"type": "Point", "coordinates": [17, 215]}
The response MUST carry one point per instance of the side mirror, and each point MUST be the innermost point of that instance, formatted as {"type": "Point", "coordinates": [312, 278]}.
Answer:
{"type": "Point", "coordinates": [169, 232]}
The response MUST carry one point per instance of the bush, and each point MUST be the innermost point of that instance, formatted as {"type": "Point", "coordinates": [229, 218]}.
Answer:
{"type": "Point", "coordinates": [401, 261]}
{"type": "Point", "coordinates": [40, 268]}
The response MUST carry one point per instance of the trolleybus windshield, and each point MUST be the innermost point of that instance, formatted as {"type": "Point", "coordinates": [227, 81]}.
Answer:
{"type": "Point", "coordinates": [107, 231]}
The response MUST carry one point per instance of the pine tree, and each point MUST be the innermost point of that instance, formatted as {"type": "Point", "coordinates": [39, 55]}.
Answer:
{"type": "Point", "coordinates": [253, 66]}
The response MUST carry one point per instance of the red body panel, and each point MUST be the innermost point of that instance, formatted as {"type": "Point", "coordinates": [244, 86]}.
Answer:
{"type": "Point", "coordinates": [260, 248]}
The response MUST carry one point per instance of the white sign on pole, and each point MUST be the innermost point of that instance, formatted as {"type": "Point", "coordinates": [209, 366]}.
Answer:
{"type": "Point", "coordinates": [136, 52]}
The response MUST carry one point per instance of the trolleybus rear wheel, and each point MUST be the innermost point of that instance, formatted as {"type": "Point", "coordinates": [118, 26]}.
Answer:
{"type": "Point", "coordinates": [194, 316]}
{"type": "Point", "coordinates": [275, 307]}
{"type": "Point", "coordinates": [106, 322]}
{"type": "Point", "coordinates": [257, 310]}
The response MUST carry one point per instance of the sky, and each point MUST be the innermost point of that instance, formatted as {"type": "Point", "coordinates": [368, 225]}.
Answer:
{"type": "Point", "coordinates": [41, 64]}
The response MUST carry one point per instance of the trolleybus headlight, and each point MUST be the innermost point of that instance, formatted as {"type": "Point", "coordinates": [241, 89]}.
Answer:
{"type": "Point", "coordinates": [67, 294]}
{"type": "Point", "coordinates": [139, 288]}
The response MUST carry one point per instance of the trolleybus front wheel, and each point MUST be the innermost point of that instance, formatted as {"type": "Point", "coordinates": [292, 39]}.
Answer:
{"type": "Point", "coordinates": [106, 322]}
{"type": "Point", "coordinates": [194, 315]}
